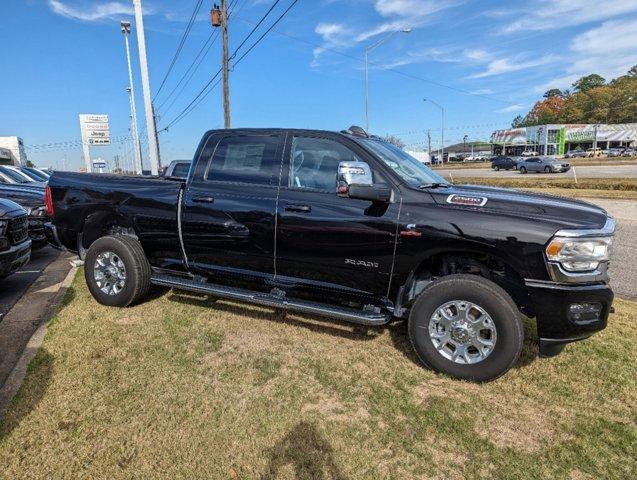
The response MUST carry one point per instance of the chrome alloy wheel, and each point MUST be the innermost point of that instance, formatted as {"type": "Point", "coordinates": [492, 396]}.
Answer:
{"type": "Point", "coordinates": [109, 273]}
{"type": "Point", "coordinates": [462, 332]}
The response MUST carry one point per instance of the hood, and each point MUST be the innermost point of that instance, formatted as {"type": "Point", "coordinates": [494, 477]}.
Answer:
{"type": "Point", "coordinates": [7, 206]}
{"type": "Point", "coordinates": [564, 212]}
{"type": "Point", "coordinates": [29, 197]}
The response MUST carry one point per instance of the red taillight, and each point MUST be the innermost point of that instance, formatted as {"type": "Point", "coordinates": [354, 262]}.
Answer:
{"type": "Point", "coordinates": [48, 201]}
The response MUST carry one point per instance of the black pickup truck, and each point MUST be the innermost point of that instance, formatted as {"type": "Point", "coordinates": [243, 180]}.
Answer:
{"type": "Point", "coordinates": [347, 226]}
{"type": "Point", "coordinates": [15, 245]}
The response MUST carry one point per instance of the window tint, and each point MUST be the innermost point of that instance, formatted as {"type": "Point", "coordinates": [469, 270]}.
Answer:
{"type": "Point", "coordinates": [181, 170]}
{"type": "Point", "coordinates": [246, 159]}
{"type": "Point", "coordinates": [314, 163]}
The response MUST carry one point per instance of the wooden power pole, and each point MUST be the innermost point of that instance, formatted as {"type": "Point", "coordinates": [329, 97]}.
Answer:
{"type": "Point", "coordinates": [224, 63]}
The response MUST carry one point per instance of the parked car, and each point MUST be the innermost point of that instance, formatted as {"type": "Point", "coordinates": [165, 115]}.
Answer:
{"type": "Point", "coordinates": [543, 164]}
{"type": "Point", "coordinates": [178, 168]}
{"type": "Point", "coordinates": [504, 163]}
{"type": "Point", "coordinates": [9, 175]}
{"type": "Point", "coordinates": [35, 173]}
{"type": "Point", "coordinates": [529, 153]}
{"type": "Point", "coordinates": [15, 245]}
{"type": "Point", "coordinates": [349, 227]}
{"type": "Point", "coordinates": [32, 200]}
{"type": "Point", "coordinates": [575, 154]}
{"type": "Point", "coordinates": [629, 152]}
{"type": "Point", "coordinates": [594, 152]}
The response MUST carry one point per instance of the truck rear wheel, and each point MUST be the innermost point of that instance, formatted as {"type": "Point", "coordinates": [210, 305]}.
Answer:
{"type": "Point", "coordinates": [116, 271]}
{"type": "Point", "coordinates": [466, 327]}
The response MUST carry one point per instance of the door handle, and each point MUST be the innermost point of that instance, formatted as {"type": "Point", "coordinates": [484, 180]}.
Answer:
{"type": "Point", "coordinates": [298, 208]}
{"type": "Point", "coordinates": [203, 199]}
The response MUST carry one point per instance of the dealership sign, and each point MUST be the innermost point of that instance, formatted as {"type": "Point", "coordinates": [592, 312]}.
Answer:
{"type": "Point", "coordinates": [95, 130]}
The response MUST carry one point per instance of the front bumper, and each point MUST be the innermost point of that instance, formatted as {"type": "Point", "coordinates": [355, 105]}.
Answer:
{"type": "Point", "coordinates": [552, 301]}
{"type": "Point", "coordinates": [36, 232]}
{"type": "Point", "coordinates": [52, 238]}
{"type": "Point", "coordinates": [14, 258]}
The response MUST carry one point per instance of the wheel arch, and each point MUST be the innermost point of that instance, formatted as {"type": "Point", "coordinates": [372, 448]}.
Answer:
{"type": "Point", "coordinates": [106, 221]}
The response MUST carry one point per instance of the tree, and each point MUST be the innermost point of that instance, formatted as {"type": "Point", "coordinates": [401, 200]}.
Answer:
{"type": "Point", "coordinates": [588, 82]}
{"type": "Point", "coordinates": [546, 111]}
{"type": "Point", "coordinates": [394, 141]}
{"type": "Point", "coordinates": [30, 164]}
{"type": "Point", "coordinates": [518, 122]}
{"type": "Point", "coordinates": [553, 92]}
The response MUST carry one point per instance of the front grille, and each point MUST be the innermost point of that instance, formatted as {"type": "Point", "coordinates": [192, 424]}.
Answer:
{"type": "Point", "coordinates": [18, 230]}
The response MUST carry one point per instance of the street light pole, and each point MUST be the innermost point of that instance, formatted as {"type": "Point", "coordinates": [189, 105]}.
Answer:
{"type": "Point", "coordinates": [125, 26]}
{"type": "Point", "coordinates": [368, 49]}
{"type": "Point", "coordinates": [442, 127]}
{"type": "Point", "coordinates": [151, 128]}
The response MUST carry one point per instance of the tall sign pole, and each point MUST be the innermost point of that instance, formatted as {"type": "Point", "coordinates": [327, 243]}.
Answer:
{"type": "Point", "coordinates": [133, 108]}
{"type": "Point", "coordinates": [224, 63]}
{"type": "Point", "coordinates": [151, 129]}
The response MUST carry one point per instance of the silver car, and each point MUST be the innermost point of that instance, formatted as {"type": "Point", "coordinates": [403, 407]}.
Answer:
{"type": "Point", "coordinates": [543, 164]}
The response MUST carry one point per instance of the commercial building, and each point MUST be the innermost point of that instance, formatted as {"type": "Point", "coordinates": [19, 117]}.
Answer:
{"type": "Point", "coordinates": [16, 154]}
{"type": "Point", "coordinates": [559, 139]}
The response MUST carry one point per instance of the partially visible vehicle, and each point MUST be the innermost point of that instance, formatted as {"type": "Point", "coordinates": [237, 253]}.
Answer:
{"type": "Point", "coordinates": [543, 164]}
{"type": "Point", "coordinates": [529, 153]}
{"type": "Point", "coordinates": [9, 175]}
{"type": "Point", "coordinates": [594, 152]}
{"type": "Point", "coordinates": [32, 200]}
{"type": "Point", "coordinates": [629, 152]}
{"type": "Point", "coordinates": [178, 169]}
{"type": "Point", "coordinates": [15, 245]}
{"type": "Point", "coordinates": [577, 153]}
{"type": "Point", "coordinates": [504, 162]}
{"type": "Point", "coordinates": [35, 173]}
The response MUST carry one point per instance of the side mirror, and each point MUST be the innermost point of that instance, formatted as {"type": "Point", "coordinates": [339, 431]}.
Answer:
{"type": "Point", "coordinates": [355, 180]}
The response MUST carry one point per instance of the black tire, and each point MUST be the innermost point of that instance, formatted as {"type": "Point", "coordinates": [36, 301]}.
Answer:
{"type": "Point", "coordinates": [522, 170]}
{"type": "Point", "coordinates": [497, 169]}
{"type": "Point", "coordinates": [137, 283]}
{"type": "Point", "coordinates": [494, 300]}
{"type": "Point", "coordinates": [547, 169]}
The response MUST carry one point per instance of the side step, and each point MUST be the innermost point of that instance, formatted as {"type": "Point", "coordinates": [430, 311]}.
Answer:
{"type": "Point", "coordinates": [347, 314]}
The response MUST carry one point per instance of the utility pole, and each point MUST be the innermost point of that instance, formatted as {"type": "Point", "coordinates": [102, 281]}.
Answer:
{"type": "Point", "coordinates": [125, 26]}
{"type": "Point", "coordinates": [224, 63]}
{"type": "Point", "coordinates": [151, 128]}
{"type": "Point", "coordinates": [429, 141]}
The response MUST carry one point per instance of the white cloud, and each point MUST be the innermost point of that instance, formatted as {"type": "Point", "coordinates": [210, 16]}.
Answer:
{"type": "Point", "coordinates": [91, 13]}
{"type": "Point", "coordinates": [482, 91]}
{"type": "Point", "coordinates": [608, 50]}
{"type": "Point", "coordinates": [551, 14]}
{"type": "Point", "coordinates": [505, 65]}
{"type": "Point", "coordinates": [511, 108]}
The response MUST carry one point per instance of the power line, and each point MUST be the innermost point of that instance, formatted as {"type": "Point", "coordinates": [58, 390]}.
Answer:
{"type": "Point", "coordinates": [201, 95]}
{"type": "Point", "coordinates": [184, 36]}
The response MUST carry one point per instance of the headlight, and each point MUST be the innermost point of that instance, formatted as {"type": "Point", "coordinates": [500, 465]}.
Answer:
{"type": "Point", "coordinates": [3, 226]}
{"type": "Point", "coordinates": [36, 211]}
{"type": "Point", "coordinates": [579, 254]}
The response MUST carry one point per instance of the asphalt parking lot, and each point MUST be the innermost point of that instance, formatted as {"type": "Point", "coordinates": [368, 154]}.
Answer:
{"type": "Point", "coordinates": [605, 171]}
{"type": "Point", "coordinates": [13, 287]}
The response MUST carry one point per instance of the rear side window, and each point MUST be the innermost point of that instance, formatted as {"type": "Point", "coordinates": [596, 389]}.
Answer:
{"type": "Point", "coordinates": [246, 159]}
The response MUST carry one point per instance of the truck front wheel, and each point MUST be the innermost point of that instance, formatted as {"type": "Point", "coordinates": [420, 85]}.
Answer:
{"type": "Point", "coordinates": [116, 271]}
{"type": "Point", "coordinates": [467, 327]}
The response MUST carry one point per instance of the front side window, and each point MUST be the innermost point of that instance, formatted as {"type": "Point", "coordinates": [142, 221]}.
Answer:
{"type": "Point", "coordinates": [314, 163]}
{"type": "Point", "coordinates": [245, 159]}
{"type": "Point", "coordinates": [412, 171]}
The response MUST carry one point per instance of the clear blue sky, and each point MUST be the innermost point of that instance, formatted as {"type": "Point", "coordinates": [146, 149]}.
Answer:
{"type": "Point", "coordinates": [485, 61]}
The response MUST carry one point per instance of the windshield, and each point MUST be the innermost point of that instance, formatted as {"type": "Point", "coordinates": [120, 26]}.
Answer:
{"type": "Point", "coordinates": [35, 174]}
{"type": "Point", "coordinates": [15, 176]}
{"type": "Point", "coordinates": [415, 173]}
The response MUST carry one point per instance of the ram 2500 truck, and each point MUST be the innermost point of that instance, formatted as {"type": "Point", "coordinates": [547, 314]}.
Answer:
{"type": "Point", "coordinates": [347, 226]}
{"type": "Point", "coordinates": [15, 245]}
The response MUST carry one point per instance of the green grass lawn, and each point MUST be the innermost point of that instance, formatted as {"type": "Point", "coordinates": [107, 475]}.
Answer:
{"type": "Point", "coordinates": [186, 387]}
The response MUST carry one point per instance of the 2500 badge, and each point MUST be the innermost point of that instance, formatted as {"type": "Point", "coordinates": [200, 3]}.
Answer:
{"type": "Point", "coordinates": [361, 263]}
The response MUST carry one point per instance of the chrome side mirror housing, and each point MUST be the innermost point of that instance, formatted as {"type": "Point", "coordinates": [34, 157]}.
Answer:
{"type": "Point", "coordinates": [353, 173]}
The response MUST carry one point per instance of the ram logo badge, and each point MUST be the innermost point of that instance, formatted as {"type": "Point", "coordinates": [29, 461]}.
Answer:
{"type": "Point", "coordinates": [361, 263]}
{"type": "Point", "coordinates": [467, 200]}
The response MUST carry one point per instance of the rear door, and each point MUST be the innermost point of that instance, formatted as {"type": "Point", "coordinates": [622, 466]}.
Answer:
{"type": "Point", "coordinates": [229, 206]}
{"type": "Point", "coordinates": [325, 241]}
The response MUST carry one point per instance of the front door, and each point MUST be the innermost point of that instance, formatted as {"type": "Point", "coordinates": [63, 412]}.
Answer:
{"type": "Point", "coordinates": [324, 241]}
{"type": "Point", "coordinates": [229, 206]}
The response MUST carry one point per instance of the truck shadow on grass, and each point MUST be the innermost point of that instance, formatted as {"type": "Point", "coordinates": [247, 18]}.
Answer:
{"type": "Point", "coordinates": [39, 376]}
{"type": "Point", "coordinates": [307, 451]}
